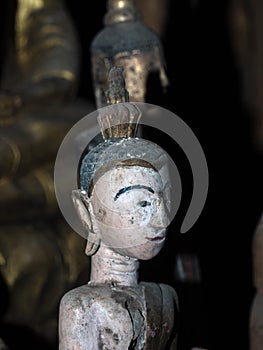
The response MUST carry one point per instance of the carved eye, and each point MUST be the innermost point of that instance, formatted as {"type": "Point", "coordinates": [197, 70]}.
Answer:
{"type": "Point", "coordinates": [144, 204]}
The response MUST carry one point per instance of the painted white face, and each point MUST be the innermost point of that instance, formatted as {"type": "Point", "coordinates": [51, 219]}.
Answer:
{"type": "Point", "coordinates": [129, 211]}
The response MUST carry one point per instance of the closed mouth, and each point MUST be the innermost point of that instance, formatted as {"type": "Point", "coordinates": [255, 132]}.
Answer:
{"type": "Point", "coordinates": [156, 239]}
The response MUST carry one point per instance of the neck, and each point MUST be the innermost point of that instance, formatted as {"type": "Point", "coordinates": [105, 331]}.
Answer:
{"type": "Point", "coordinates": [108, 266]}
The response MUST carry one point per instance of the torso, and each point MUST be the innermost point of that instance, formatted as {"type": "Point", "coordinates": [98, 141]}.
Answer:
{"type": "Point", "coordinates": [116, 318]}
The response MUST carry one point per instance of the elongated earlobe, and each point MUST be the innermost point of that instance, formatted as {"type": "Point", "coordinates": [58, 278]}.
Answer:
{"type": "Point", "coordinates": [83, 207]}
{"type": "Point", "coordinates": [93, 244]}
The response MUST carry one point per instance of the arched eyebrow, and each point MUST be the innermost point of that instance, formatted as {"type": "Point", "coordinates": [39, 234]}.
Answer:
{"type": "Point", "coordinates": [134, 187]}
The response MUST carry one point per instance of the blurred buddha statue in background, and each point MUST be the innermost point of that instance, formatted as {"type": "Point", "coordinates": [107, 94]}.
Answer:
{"type": "Point", "coordinates": [127, 42]}
{"type": "Point", "coordinates": [39, 254]}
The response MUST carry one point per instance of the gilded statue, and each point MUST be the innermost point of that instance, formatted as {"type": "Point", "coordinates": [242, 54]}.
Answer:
{"type": "Point", "coordinates": [40, 76]}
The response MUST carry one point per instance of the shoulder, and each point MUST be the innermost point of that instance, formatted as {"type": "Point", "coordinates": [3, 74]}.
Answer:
{"type": "Point", "coordinates": [91, 317]}
{"type": "Point", "coordinates": [77, 296]}
{"type": "Point", "coordinates": [86, 299]}
{"type": "Point", "coordinates": [103, 301]}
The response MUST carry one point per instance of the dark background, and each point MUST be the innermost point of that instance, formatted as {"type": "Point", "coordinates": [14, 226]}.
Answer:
{"type": "Point", "coordinates": [205, 91]}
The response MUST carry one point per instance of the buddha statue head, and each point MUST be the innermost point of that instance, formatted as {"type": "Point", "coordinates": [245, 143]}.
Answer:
{"type": "Point", "coordinates": [127, 42]}
{"type": "Point", "coordinates": [123, 198]}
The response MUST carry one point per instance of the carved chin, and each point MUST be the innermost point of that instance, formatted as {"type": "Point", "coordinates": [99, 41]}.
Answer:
{"type": "Point", "coordinates": [151, 253]}
{"type": "Point", "coordinates": [145, 251]}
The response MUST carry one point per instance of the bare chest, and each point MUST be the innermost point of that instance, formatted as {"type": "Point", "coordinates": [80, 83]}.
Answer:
{"type": "Point", "coordinates": [111, 318]}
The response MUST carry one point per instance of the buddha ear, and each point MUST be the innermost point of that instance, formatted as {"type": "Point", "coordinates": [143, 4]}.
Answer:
{"type": "Point", "coordinates": [84, 209]}
{"type": "Point", "coordinates": [82, 206]}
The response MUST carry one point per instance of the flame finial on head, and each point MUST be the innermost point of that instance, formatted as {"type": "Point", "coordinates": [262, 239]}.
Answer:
{"type": "Point", "coordinates": [116, 92]}
{"type": "Point", "coordinates": [118, 121]}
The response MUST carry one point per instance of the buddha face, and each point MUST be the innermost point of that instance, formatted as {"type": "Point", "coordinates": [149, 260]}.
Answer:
{"type": "Point", "coordinates": [129, 209]}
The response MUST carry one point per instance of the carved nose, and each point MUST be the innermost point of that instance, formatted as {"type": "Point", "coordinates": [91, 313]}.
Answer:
{"type": "Point", "coordinates": [160, 218]}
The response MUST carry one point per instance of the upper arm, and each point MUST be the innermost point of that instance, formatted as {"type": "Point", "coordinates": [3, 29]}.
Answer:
{"type": "Point", "coordinates": [170, 314]}
{"type": "Point", "coordinates": [75, 326]}
{"type": "Point", "coordinates": [92, 323]}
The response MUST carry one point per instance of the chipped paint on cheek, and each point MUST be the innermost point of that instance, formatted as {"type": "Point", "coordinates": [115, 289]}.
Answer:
{"type": "Point", "coordinates": [100, 214]}
{"type": "Point", "coordinates": [131, 221]}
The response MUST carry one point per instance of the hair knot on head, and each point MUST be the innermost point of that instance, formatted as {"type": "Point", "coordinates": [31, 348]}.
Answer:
{"type": "Point", "coordinates": [118, 124]}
